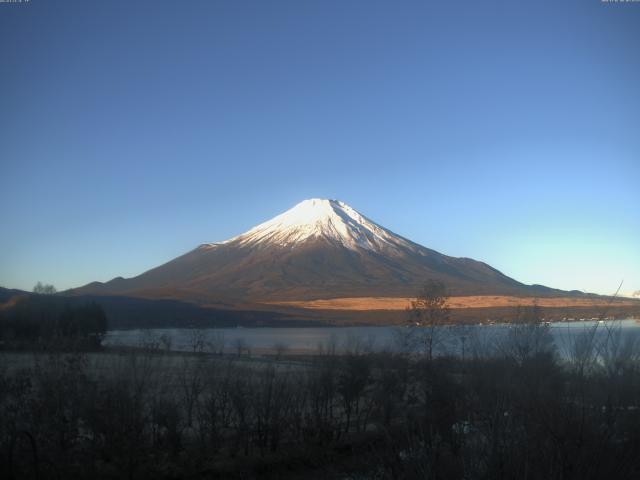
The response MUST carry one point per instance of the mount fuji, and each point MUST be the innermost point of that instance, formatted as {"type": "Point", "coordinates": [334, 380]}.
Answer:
{"type": "Point", "coordinates": [319, 249]}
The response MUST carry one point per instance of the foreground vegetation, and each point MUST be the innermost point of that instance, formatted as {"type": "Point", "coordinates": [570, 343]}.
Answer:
{"type": "Point", "coordinates": [509, 411]}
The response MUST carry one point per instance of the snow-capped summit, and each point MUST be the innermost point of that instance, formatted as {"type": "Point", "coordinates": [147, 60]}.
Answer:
{"type": "Point", "coordinates": [317, 218]}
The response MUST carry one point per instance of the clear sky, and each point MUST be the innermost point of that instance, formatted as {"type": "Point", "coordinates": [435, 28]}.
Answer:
{"type": "Point", "coordinates": [132, 131]}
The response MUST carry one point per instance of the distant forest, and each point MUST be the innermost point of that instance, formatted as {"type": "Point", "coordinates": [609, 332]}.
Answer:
{"type": "Point", "coordinates": [43, 318]}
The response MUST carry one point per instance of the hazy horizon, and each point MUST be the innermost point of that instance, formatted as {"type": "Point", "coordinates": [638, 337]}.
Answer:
{"type": "Point", "coordinates": [132, 132]}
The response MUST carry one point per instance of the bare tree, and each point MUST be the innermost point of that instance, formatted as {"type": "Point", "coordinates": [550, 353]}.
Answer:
{"type": "Point", "coordinates": [240, 345]}
{"type": "Point", "coordinates": [353, 379]}
{"type": "Point", "coordinates": [44, 289]}
{"type": "Point", "coordinates": [429, 311]}
{"type": "Point", "coordinates": [529, 335]}
{"type": "Point", "coordinates": [280, 348]}
{"type": "Point", "coordinates": [197, 340]}
{"type": "Point", "coordinates": [217, 342]}
{"type": "Point", "coordinates": [192, 383]}
{"type": "Point", "coordinates": [166, 341]}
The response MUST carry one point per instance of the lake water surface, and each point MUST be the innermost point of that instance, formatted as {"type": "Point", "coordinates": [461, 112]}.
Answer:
{"type": "Point", "coordinates": [450, 340]}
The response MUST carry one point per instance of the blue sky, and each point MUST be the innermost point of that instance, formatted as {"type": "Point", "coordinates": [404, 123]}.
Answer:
{"type": "Point", "coordinates": [505, 131]}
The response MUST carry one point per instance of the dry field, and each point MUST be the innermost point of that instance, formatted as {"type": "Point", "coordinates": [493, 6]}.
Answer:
{"type": "Point", "coordinates": [477, 301]}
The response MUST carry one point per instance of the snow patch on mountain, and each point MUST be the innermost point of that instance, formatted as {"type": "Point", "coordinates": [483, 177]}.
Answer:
{"type": "Point", "coordinates": [330, 220]}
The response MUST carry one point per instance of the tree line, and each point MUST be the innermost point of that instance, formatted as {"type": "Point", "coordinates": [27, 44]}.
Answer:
{"type": "Point", "coordinates": [43, 318]}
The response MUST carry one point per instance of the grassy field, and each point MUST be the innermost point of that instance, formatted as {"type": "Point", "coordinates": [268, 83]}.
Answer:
{"type": "Point", "coordinates": [473, 301]}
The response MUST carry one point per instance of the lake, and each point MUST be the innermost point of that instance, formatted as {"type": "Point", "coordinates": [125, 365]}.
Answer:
{"type": "Point", "coordinates": [474, 339]}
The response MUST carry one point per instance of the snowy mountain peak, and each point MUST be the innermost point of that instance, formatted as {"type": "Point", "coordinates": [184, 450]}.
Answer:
{"type": "Point", "coordinates": [330, 220]}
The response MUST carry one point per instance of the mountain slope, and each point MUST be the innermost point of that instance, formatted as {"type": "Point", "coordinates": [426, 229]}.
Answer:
{"type": "Point", "coordinates": [318, 249]}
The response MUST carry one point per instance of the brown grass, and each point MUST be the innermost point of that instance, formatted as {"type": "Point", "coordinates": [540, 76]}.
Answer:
{"type": "Point", "coordinates": [474, 301]}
